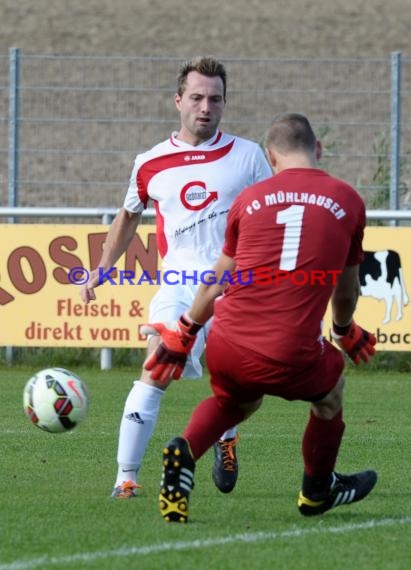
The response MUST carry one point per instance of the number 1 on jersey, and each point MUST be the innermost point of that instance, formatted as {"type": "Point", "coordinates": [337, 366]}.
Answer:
{"type": "Point", "coordinates": [292, 218]}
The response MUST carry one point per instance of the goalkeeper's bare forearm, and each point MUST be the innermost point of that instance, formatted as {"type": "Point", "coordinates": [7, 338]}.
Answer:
{"type": "Point", "coordinates": [345, 296]}
{"type": "Point", "coordinates": [356, 342]}
{"type": "Point", "coordinates": [202, 308]}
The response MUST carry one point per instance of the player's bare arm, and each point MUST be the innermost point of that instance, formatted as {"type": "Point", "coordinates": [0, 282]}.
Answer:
{"type": "Point", "coordinates": [167, 362]}
{"type": "Point", "coordinates": [119, 237]}
{"type": "Point", "coordinates": [202, 308]}
{"type": "Point", "coordinates": [352, 339]}
{"type": "Point", "coordinates": [345, 296]}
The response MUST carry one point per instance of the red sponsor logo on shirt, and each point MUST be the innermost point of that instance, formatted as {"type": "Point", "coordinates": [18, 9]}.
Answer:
{"type": "Point", "coordinates": [195, 196]}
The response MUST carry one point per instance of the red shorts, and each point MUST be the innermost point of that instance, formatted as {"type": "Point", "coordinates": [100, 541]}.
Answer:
{"type": "Point", "coordinates": [242, 375]}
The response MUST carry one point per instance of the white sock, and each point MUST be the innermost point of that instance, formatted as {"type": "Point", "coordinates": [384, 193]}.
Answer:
{"type": "Point", "coordinates": [229, 434]}
{"type": "Point", "coordinates": [137, 424]}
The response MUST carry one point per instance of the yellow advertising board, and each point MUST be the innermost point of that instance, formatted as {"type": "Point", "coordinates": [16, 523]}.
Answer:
{"type": "Point", "coordinates": [41, 306]}
{"type": "Point", "coordinates": [385, 276]}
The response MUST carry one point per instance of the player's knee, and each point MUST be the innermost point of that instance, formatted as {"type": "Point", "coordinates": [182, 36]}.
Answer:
{"type": "Point", "coordinates": [152, 343]}
{"type": "Point", "coordinates": [146, 379]}
{"type": "Point", "coordinates": [250, 407]}
{"type": "Point", "coordinates": [331, 404]}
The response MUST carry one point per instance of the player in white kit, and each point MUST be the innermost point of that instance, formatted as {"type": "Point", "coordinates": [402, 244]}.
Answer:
{"type": "Point", "coordinates": [192, 179]}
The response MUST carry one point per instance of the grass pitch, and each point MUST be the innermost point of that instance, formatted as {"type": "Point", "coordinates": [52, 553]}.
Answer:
{"type": "Point", "coordinates": [55, 510]}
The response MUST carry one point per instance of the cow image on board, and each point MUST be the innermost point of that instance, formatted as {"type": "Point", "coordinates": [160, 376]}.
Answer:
{"type": "Point", "coordinates": [382, 277]}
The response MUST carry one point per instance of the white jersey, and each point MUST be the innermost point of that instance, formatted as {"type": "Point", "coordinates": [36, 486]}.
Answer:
{"type": "Point", "coordinates": [192, 188]}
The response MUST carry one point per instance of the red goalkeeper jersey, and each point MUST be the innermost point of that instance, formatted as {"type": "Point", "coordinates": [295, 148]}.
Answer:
{"type": "Point", "coordinates": [291, 236]}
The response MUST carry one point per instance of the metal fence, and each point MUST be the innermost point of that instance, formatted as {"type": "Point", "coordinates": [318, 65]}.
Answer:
{"type": "Point", "coordinates": [70, 126]}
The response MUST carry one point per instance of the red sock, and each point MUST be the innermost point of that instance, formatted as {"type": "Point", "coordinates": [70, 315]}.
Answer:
{"type": "Point", "coordinates": [208, 421]}
{"type": "Point", "coordinates": [321, 443]}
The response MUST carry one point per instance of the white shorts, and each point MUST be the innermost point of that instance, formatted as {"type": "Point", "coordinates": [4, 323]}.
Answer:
{"type": "Point", "coordinates": [166, 306]}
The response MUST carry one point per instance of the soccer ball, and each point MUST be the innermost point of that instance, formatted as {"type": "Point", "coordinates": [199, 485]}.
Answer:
{"type": "Point", "coordinates": [55, 400]}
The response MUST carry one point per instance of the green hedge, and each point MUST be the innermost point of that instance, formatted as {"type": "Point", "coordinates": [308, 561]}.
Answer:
{"type": "Point", "coordinates": [133, 359]}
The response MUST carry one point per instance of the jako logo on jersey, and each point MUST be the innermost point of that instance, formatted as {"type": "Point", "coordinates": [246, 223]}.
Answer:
{"type": "Point", "coordinates": [193, 157]}
{"type": "Point", "coordinates": [195, 196]}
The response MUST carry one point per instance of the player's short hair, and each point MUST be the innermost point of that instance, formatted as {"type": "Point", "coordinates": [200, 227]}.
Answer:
{"type": "Point", "coordinates": [206, 65]}
{"type": "Point", "coordinates": [291, 132]}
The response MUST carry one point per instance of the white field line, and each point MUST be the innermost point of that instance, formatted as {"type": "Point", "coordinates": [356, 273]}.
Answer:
{"type": "Point", "coordinates": [85, 557]}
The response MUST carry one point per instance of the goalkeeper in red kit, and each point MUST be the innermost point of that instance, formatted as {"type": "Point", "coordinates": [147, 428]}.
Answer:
{"type": "Point", "coordinates": [265, 337]}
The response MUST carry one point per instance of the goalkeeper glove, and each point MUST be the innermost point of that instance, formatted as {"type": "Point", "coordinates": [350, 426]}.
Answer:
{"type": "Point", "coordinates": [168, 360]}
{"type": "Point", "coordinates": [356, 342]}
